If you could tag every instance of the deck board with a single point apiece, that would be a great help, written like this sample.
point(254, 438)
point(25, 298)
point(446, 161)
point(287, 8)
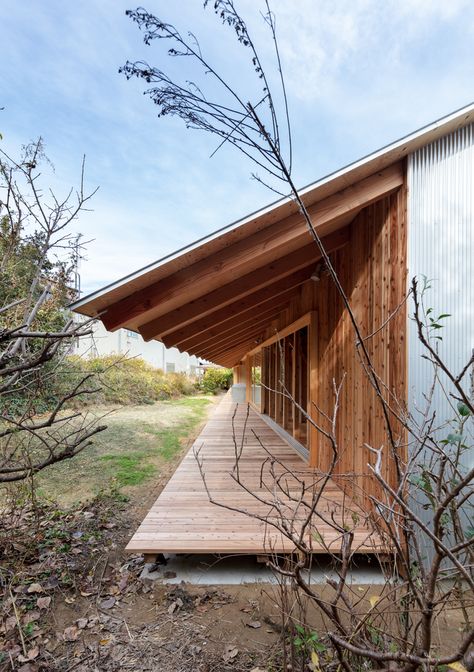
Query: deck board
point(183, 520)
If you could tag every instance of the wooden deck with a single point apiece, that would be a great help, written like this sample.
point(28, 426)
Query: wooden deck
point(183, 520)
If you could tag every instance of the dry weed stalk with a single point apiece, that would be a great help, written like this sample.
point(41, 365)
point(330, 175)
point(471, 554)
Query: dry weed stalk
point(425, 518)
point(36, 331)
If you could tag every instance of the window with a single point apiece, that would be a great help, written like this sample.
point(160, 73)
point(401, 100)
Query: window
point(279, 378)
point(286, 394)
point(255, 364)
point(131, 334)
point(170, 367)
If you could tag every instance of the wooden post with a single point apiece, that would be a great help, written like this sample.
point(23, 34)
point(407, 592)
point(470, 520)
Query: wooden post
point(313, 388)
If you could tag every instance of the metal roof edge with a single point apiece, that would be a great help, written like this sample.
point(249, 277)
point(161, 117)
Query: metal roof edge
point(439, 123)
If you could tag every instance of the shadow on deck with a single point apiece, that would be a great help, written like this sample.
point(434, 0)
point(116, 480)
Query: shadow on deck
point(183, 520)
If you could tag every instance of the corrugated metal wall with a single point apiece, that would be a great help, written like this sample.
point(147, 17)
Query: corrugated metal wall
point(441, 247)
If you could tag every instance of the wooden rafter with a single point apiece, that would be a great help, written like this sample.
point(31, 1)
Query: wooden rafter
point(227, 343)
point(253, 252)
point(222, 320)
point(186, 327)
point(235, 326)
point(244, 286)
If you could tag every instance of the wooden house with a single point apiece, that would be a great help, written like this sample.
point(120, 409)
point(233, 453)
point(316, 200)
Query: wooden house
point(255, 296)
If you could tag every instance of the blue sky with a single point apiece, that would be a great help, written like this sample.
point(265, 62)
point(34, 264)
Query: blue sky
point(360, 74)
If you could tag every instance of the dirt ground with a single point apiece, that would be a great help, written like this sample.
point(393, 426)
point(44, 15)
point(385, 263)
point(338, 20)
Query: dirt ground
point(73, 601)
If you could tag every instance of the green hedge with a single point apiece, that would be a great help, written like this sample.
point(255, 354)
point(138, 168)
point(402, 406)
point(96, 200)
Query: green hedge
point(115, 380)
point(129, 381)
point(215, 380)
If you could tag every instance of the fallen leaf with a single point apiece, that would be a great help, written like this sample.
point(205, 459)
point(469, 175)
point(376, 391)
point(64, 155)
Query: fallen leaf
point(35, 588)
point(172, 608)
point(14, 650)
point(254, 624)
point(43, 602)
point(458, 667)
point(123, 582)
point(70, 600)
point(71, 633)
point(31, 655)
point(373, 600)
point(29, 667)
point(108, 603)
point(84, 594)
point(230, 653)
point(31, 617)
point(10, 623)
point(52, 645)
point(104, 642)
point(82, 623)
point(315, 667)
point(51, 582)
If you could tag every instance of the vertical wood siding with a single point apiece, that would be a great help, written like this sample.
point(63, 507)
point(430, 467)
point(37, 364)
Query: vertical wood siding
point(372, 269)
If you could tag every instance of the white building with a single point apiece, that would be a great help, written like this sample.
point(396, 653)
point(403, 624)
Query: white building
point(125, 342)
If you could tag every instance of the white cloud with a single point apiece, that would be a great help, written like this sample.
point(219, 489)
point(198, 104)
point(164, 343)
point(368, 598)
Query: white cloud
point(322, 42)
point(360, 73)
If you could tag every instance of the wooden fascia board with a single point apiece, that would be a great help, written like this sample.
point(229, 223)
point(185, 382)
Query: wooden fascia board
point(254, 251)
point(241, 257)
point(264, 277)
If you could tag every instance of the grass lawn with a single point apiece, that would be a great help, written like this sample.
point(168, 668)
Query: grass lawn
point(139, 443)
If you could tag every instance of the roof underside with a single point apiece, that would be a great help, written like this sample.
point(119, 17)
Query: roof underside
point(215, 298)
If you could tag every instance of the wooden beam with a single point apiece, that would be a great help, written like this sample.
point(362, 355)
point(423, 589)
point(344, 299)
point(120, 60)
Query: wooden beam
point(264, 308)
point(186, 325)
point(218, 347)
point(227, 343)
point(264, 277)
point(265, 311)
point(253, 252)
point(231, 357)
point(247, 255)
point(243, 345)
